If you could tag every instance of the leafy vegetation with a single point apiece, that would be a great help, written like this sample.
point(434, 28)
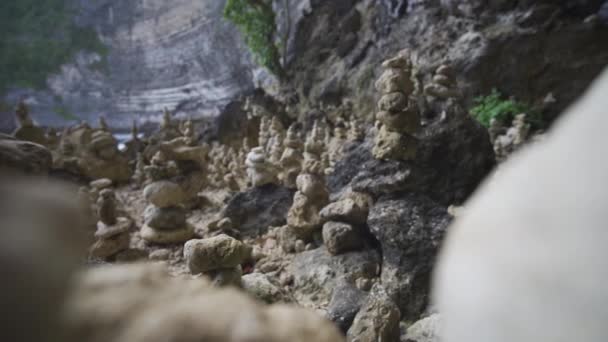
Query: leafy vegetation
point(495, 106)
point(256, 21)
point(36, 38)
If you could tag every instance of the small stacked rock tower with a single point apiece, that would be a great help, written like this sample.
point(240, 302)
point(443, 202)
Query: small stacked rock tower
point(165, 217)
point(292, 158)
point(398, 117)
point(112, 235)
point(259, 170)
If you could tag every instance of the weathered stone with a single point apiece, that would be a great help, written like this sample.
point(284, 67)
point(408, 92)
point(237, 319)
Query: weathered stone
point(215, 253)
point(341, 237)
point(101, 183)
point(394, 80)
point(317, 272)
point(164, 194)
point(260, 171)
point(425, 330)
point(164, 218)
point(407, 121)
point(258, 285)
point(393, 102)
point(346, 300)
point(24, 156)
point(109, 246)
point(226, 276)
point(378, 319)
point(394, 145)
point(303, 216)
point(176, 235)
point(105, 231)
point(255, 210)
point(106, 207)
point(409, 229)
point(184, 309)
point(352, 209)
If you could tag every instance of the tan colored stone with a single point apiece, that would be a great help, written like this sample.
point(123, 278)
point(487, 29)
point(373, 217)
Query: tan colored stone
point(164, 194)
point(393, 145)
point(177, 235)
point(394, 80)
point(393, 102)
point(215, 253)
point(407, 121)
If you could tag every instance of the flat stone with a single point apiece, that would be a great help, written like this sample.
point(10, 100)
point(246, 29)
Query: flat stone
point(167, 236)
point(101, 183)
point(222, 251)
point(105, 248)
point(105, 231)
point(164, 194)
point(164, 218)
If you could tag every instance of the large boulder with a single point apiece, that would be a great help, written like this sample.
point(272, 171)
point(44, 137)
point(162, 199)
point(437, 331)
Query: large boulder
point(453, 157)
point(409, 230)
point(142, 302)
point(24, 156)
point(255, 210)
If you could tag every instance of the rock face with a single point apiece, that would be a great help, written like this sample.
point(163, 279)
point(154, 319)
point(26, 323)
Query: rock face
point(331, 47)
point(114, 304)
point(500, 240)
point(254, 210)
point(453, 157)
point(409, 230)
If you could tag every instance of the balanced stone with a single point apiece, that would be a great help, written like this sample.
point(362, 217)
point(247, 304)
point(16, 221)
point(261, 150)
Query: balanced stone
point(164, 194)
point(215, 253)
point(341, 237)
point(164, 218)
point(176, 235)
point(393, 102)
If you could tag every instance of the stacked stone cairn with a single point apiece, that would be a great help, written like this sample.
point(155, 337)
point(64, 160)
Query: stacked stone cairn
point(112, 235)
point(443, 85)
point(303, 219)
point(218, 257)
point(514, 137)
point(165, 217)
point(345, 221)
point(356, 131)
point(27, 130)
point(398, 118)
point(259, 170)
point(292, 158)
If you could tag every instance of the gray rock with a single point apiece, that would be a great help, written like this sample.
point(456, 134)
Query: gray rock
point(164, 218)
point(340, 237)
point(424, 330)
point(258, 285)
point(164, 194)
point(226, 276)
point(176, 235)
point(378, 319)
point(409, 230)
point(215, 253)
point(24, 156)
point(317, 272)
point(346, 300)
point(255, 210)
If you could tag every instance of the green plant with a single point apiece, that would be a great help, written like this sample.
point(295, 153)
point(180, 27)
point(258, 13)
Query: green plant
point(495, 106)
point(36, 38)
point(256, 21)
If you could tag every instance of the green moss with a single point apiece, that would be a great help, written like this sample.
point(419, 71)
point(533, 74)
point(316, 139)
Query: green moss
point(36, 38)
point(256, 21)
point(495, 106)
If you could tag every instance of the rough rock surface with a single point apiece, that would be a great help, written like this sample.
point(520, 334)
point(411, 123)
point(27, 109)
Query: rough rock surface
point(215, 253)
point(164, 194)
point(378, 319)
point(24, 156)
point(453, 158)
point(141, 302)
point(409, 230)
point(346, 300)
point(317, 272)
point(340, 237)
point(424, 330)
point(253, 211)
point(258, 285)
point(164, 218)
